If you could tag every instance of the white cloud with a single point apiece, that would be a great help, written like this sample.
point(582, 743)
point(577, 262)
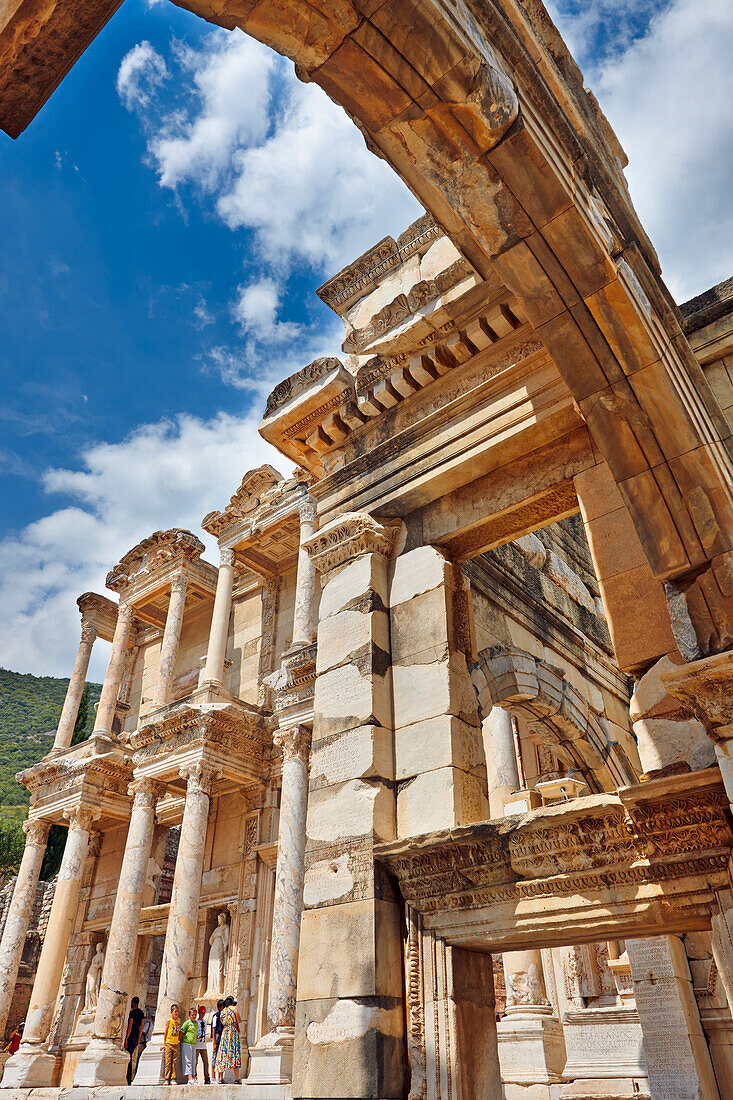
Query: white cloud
point(142, 72)
point(256, 310)
point(667, 94)
point(167, 474)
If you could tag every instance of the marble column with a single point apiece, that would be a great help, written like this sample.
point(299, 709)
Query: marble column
point(32, 1066)
point(501, 759)
point(20, 911)
point(305, 585)
point(115, 669)
point(104, 1062)
point(74, 691)
point(271, 1060)
point(531, 1044)
point(171, 638)
point(216, 652)
point(180, 936)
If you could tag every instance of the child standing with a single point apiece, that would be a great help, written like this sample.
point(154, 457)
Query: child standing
point(171, 1044)
point(189, 1032)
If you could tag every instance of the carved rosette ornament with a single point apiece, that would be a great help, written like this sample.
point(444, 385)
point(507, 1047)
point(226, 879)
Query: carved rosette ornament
point(351, 536)
point(36, 832)
point(200, 776)
point(294, 742)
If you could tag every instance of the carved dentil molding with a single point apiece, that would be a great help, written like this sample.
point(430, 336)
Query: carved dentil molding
point(36, 832)
point(200, 777)
point(351, 536)
point(294, 742)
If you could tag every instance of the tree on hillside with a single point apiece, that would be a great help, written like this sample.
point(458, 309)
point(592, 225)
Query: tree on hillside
point(57, 834)
point(12, 842)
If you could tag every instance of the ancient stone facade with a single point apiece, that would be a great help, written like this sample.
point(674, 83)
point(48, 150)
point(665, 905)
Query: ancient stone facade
point(446, 732)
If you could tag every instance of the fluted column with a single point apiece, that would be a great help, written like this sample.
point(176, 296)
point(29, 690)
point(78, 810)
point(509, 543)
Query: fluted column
point(171, 638)
point(74, 691)
point(305, 585)
point(115, 669)
point(216, 652)
point(104, 1062)
point(501, 759)
point(20, 911)
point(180, 936)
point(32, 1066)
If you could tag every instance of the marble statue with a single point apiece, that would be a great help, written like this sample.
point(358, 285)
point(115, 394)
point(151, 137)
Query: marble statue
point(219, 946)
point(94, 980)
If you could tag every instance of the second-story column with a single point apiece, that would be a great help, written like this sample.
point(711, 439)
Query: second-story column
point(171, 638)
point(502, 771)
point(32, 1065)
point(271, 1060)
point(305, 586)
point(104, 1062)
point(74, 691)
point(115, 669)
point(180, 935)
point(216, 652)
point(20, 911)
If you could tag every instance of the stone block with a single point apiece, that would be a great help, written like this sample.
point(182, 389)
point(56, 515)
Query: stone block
point(346, 696)
point(360, 577)
point(351, 950)
point(531, 1049)
point(441, 799)
point(360, 753)
point(421, 570)
point(423, 691)
point(348, 810)
point(349, 1048)
point(346, 633)
point(421, 628)
point(436, 743)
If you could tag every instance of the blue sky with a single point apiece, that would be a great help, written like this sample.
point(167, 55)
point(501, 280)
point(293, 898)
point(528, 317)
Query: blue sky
point(165, 221)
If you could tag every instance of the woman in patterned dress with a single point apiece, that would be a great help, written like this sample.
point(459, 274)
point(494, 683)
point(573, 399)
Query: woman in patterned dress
point(229, 1051)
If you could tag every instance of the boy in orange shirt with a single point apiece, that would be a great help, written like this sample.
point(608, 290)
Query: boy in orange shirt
point(172, 1044)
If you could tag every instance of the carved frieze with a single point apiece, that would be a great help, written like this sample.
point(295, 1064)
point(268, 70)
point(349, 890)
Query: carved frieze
point(154, 553)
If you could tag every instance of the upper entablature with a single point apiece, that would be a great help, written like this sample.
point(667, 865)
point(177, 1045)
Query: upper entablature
point(261, 522)
point(143, 576)
point(99, 612)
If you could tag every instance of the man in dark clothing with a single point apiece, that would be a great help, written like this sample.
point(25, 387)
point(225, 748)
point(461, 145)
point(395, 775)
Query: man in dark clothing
point(134, 1032)
point(216, 1029)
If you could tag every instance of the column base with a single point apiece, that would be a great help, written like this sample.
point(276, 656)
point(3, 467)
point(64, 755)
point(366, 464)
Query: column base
point(102, 1063)
point(30, 1067)
point(531, 1046)
point(271, 1060)
point(150, 1067)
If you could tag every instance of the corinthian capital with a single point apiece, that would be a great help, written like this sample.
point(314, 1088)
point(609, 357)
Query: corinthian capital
point(308, 511)
point(88, 633)
point(200, 776)
point(179, 583)
point(352, 535)
point(82, 817)
point(226, 556)
point(294, 742)
point(124, 613)
point(36, 832)
point(145, 791)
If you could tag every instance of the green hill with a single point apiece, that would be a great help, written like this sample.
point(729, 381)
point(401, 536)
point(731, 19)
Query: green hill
point(30, 707)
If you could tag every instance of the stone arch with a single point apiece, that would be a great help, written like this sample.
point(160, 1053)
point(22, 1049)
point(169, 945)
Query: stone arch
point(556, 712)
point(482, 112)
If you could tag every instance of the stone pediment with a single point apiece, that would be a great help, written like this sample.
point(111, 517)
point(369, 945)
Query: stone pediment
point(259, 486)
point(153, 554)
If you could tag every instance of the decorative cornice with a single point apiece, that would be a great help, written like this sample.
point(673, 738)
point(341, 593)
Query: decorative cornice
point(351, 536)
point(304, 378)
point(157, 550)
point(294, 742)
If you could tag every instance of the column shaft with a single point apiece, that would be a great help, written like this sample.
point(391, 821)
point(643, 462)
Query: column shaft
point(74, 691)
point(288, 904)
point(32, 1065)
point(171, 638)
point(180, 936)
point(115, 669)
point(305, 585)
point(104, 1062)
point(20, 911)
point(501, 759)
point(216, 652)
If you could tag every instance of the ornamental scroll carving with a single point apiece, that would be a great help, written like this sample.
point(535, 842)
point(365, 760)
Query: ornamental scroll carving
point(351, 536)
point(300, 381)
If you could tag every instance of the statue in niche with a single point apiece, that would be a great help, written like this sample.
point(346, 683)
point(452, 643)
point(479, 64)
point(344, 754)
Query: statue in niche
point(94, 981)
point(218, 948)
